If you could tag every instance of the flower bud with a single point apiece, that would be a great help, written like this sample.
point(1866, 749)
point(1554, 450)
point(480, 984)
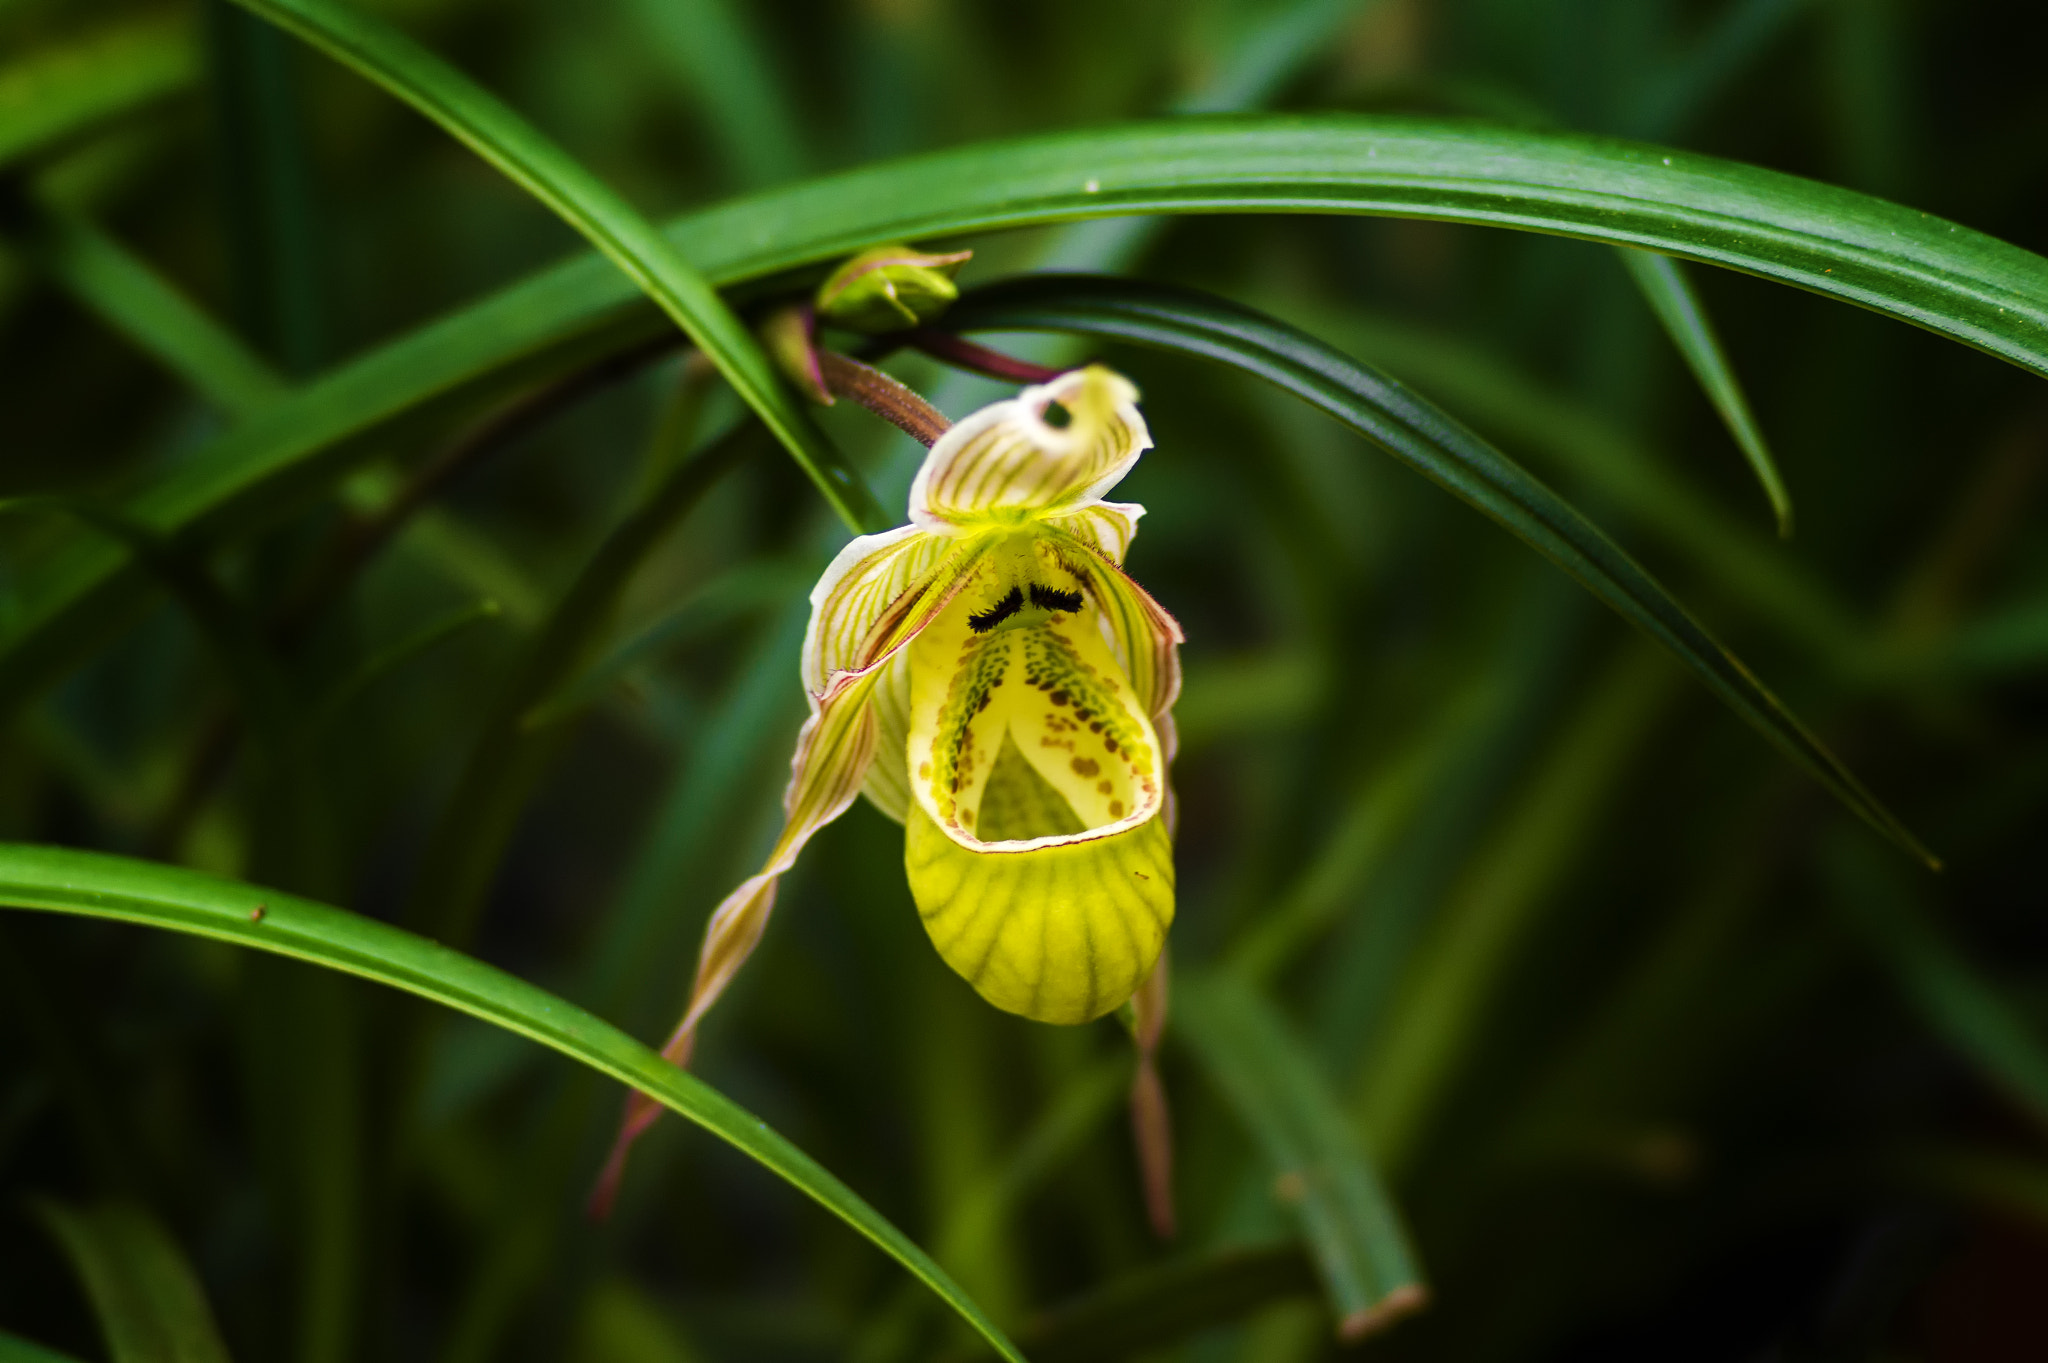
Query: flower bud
point(890, 288)
point(786, 336)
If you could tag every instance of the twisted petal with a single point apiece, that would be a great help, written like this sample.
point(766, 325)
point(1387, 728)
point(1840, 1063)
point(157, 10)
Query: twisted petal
point(832, 755)
point(1008, 458)
point(888, 783)
point(875, 599)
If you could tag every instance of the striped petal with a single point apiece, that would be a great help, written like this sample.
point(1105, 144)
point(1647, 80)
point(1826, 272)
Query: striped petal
point(1009, 457)
point(872, 580)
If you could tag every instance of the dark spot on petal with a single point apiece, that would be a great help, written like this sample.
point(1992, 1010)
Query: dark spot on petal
point(983, 621)
point(1052, 599)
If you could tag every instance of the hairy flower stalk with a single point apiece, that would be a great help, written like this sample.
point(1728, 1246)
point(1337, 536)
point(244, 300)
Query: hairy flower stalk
point(989, 677)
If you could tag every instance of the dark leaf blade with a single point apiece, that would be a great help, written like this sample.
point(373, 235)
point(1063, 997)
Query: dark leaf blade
point(151, 312)
point(1434, 444)
point(15, 1349)
point(63, 91)
point(1955, 1000)
point(1353, 1231)
point(150, 1305)
point(128, 890)
point(1157, 1306)
point(493, 131)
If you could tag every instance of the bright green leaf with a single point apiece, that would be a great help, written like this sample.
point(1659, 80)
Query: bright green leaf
point(128, 890)
point(493, 131)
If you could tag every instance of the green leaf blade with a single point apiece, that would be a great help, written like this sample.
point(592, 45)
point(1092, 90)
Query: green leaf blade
point(149, 1302)
point(151, 312)
point(493, 131)
point(66, 90)
point(91, 884)
point(1353, 1231)
point(15, 1349)
point(1952, 997)
point(1850, 246)
point(1671, 297)
point(1434, 444)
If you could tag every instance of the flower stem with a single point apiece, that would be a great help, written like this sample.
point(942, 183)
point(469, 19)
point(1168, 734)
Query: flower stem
point(846, 377)
point(965, 354)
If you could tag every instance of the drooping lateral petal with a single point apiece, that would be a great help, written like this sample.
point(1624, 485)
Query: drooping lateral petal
point(869, 580)
point(888, 783)
point(831, 761)
point(1151, 1120)
point(1009, 457)
point(833, 754)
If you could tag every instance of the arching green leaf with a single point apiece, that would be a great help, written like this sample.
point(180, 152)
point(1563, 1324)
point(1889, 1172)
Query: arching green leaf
point(1435, 445)
point(128, 890)
point(1850, 246)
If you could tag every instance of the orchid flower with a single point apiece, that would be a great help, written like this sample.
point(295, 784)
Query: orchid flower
point(989, 677)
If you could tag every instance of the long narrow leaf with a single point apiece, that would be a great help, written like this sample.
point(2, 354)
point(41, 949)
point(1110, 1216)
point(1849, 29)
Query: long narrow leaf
point(1492, 912)
point(61, 91)
point(15, 1349)
point(150, 1305)
point(1435, 445)
point(493, 131)
point(508, 757)
point(98, 886)
point(1950, 994)
point(711, 46)
point(1671, 297)
point(151, 312)
point(1502, 400)
point(1354, 1232)
point(1895, 260)
point(1157, 1306)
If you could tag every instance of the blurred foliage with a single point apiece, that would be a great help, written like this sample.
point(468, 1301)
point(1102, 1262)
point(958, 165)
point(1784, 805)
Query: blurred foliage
point(1658, 1053)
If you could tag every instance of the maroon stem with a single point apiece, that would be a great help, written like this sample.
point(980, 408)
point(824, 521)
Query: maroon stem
point(846, 377)
point(965, 354)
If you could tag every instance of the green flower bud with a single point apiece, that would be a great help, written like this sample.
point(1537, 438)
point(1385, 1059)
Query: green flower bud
point(890, 288)
point(786, 336)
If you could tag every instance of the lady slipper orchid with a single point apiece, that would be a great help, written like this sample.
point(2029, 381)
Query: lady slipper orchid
point(989, 677)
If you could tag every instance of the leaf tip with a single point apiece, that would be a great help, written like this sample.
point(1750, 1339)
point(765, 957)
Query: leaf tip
point(1403, 1301)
